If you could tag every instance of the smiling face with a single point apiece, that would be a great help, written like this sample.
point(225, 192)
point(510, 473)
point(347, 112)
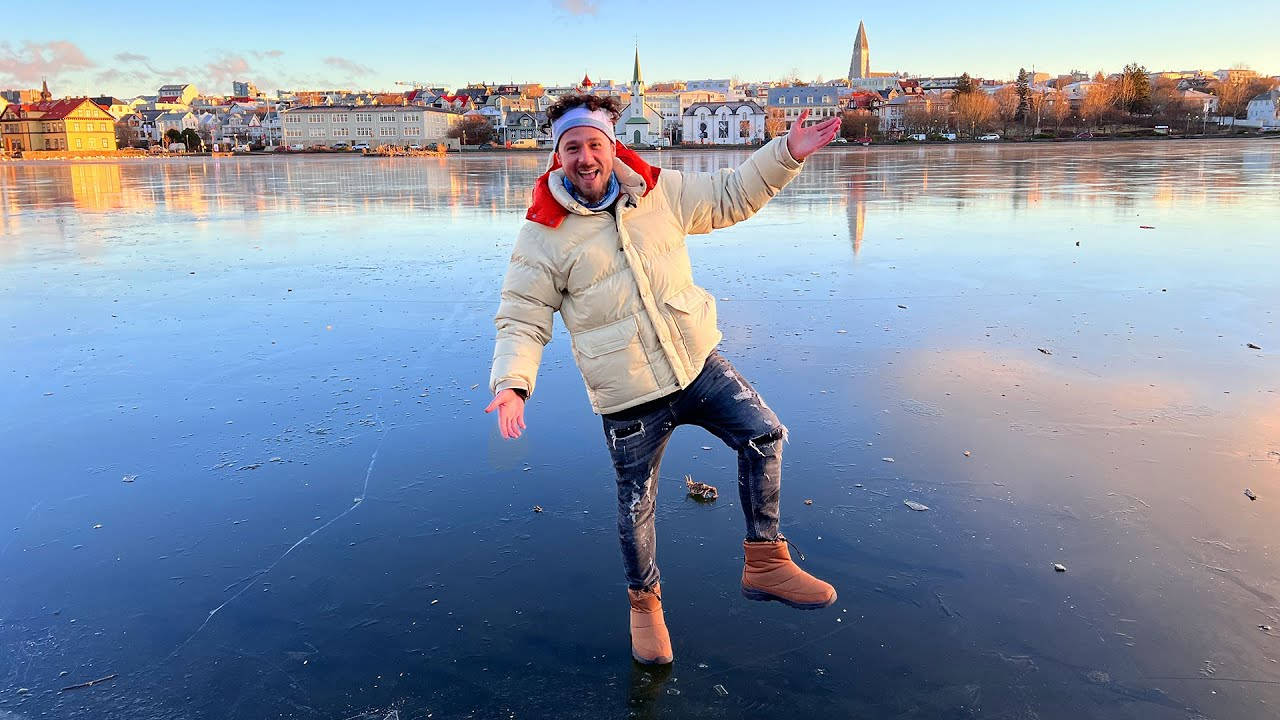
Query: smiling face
point(587, 156)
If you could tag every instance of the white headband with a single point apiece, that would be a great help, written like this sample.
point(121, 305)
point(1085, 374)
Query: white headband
point(581, 117)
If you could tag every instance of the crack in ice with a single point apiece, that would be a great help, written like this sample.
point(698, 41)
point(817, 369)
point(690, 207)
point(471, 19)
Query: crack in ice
point(254, 578)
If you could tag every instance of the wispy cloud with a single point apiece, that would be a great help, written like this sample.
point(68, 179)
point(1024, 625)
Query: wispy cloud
point(30, 62)
point(225, 69)
point(128, 57)
point(267, 54)
point(348, 66)
point(578, 7)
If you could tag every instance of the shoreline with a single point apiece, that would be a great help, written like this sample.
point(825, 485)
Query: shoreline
point(845, 147)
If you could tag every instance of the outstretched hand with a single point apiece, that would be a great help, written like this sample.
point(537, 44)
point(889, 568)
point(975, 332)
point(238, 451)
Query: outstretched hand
point(804, 141)
point(510, 407)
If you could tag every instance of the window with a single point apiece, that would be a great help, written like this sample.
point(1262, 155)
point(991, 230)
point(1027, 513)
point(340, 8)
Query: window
point(826, 99)
point(808, 100)
point(341, 132)
point(293, 133)
point(315, 118)
point(387, 131)
point(385, 117)
point(364, 117)
point(316, 132)
point(364, 132)
point(411, 131)
point(77, 126)
point(338, 118)
point(407, 118)
point(79, 144)
point(292, 118)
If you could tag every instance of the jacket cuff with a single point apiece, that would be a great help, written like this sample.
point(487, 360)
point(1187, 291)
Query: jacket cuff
point(784, 155)
point(513, 384)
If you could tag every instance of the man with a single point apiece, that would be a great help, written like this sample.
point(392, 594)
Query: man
point(605, 245)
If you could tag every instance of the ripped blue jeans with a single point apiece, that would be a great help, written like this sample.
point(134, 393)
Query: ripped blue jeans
point(724, 403)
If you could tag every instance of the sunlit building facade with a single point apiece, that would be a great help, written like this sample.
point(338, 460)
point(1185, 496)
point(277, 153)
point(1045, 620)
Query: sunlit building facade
point(76, 124)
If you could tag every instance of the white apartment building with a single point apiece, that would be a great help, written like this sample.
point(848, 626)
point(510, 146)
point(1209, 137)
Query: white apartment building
point(328, 125)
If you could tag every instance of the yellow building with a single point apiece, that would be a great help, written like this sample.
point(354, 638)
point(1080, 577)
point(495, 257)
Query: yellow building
point(69, 124)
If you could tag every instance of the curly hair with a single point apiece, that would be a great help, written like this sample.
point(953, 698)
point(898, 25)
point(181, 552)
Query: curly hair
point(591, 102)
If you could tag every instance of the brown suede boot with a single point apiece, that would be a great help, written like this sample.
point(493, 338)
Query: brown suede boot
point(650, 643)
point(769, 574)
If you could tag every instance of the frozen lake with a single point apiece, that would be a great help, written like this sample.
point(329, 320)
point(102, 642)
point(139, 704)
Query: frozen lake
point(247, 474)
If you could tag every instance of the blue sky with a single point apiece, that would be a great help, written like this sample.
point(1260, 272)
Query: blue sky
point(318, 43)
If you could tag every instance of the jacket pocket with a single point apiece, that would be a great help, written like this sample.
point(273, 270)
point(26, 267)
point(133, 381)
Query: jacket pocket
point(613, 362)
point(693, 313)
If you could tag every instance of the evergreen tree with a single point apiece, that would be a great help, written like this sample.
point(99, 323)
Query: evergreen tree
point(1137, 89)
point(192, 140)
point(965, 86)
point(1024, 94)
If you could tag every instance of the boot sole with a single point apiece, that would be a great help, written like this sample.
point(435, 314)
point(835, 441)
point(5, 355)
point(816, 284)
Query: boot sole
point(762, 596)
point(653, 661)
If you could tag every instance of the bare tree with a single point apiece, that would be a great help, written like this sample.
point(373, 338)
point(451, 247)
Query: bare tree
point(1059, 109)
point(1096, 104)
point(1007, 102)
point(974, 111)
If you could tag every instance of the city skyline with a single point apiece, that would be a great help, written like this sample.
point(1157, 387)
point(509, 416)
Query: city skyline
point(559, 40)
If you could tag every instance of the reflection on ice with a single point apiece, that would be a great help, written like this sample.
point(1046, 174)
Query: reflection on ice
point(288, 357)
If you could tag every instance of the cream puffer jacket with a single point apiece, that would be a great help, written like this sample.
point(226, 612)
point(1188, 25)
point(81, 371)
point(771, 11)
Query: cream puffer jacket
point(640, 327)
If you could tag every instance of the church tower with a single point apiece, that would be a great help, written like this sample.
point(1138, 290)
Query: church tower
point(637, 88)
point(637, 129)
point(860, 63)
point(45, 95)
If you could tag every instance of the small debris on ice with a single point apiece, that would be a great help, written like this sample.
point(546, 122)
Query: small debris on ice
point(904, 307)
point(128, 478)
point(1249, 494)
point(1264, 628)
point(1252, 346)
point(537, 508)
point(1146, 227)
point(720, 690)
point(1046, 352)
point(808, 502)
point(1059, 567)
point(706, 447)
point(918, 507)
point(97, 526)
point(887, 459)
point(966, 453)
point(701, 492)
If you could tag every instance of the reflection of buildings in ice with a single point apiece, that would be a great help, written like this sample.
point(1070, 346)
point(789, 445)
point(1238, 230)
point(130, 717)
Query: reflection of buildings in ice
point(856, 209)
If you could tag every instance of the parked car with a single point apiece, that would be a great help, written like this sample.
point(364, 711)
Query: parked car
point(989, 137)
point(1269, 128)
point(296, 147)
point(918, 137)
point(240, 148)
point(1084, 136)
point(863, 140)
point(950, 137)
point(360, 146)
point(342, 145)
point(281, 149)
point(839, 141)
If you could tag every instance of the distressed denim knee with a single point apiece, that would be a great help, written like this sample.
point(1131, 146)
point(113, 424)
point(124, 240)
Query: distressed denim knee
point(636, 445)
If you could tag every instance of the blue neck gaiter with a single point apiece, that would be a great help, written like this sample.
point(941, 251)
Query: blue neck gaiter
point(610, 193)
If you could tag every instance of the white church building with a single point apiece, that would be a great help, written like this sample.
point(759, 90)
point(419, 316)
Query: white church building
point(723, 123)
point(640, 123)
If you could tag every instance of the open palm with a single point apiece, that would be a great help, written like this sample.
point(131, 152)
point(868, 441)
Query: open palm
point(803, 141)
